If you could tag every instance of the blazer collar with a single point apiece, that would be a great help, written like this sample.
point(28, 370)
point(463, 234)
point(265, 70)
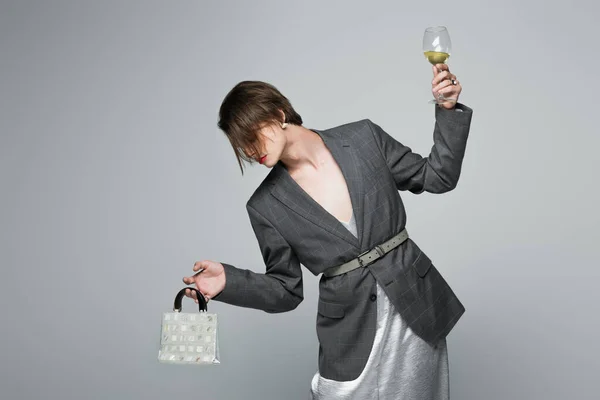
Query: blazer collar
point(291, 194)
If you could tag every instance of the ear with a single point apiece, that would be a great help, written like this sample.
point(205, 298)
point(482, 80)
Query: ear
point(282, 116)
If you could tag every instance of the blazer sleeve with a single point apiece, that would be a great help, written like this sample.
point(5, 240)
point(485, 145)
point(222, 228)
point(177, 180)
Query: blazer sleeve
point(279, 289)
point(438, 172)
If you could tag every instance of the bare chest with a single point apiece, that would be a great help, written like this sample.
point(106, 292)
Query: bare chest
point(327, 187)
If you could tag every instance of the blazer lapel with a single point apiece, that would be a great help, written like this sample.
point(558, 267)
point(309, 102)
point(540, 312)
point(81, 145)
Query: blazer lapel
point(287, 190)
point(346, 157)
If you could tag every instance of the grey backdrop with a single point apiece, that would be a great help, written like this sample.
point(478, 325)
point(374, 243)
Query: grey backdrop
point(115, 180)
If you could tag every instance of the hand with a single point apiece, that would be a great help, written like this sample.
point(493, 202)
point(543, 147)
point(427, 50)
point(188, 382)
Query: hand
point(442, 83)
point(209, 279)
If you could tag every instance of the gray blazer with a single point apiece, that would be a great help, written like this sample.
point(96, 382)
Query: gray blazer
point(293, 229)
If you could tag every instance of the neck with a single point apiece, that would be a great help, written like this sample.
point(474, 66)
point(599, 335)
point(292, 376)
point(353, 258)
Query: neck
point(304, 149)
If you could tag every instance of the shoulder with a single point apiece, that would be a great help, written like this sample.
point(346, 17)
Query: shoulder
point(261, 201)
point(358, 130)
point(349, 128)
point(259, 197)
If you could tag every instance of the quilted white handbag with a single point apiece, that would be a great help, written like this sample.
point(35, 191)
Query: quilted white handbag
point(189, 338)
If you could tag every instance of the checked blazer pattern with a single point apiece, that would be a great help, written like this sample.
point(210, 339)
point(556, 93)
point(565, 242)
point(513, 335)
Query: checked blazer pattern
point(292, 229)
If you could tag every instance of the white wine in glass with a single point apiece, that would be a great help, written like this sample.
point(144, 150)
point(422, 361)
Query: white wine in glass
point(437, 48)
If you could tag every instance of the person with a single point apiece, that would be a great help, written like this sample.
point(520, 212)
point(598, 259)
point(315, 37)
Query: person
point(331, 202)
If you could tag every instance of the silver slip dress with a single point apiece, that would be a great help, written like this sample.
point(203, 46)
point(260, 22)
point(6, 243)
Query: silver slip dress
point(401, 365)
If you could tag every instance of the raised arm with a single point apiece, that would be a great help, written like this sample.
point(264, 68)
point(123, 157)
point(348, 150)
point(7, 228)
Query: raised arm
point(438, 172)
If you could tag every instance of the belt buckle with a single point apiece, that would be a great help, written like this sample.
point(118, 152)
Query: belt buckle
point(360, 261)
point(377, 248)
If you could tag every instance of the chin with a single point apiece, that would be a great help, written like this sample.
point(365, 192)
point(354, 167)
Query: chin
point(269, 163)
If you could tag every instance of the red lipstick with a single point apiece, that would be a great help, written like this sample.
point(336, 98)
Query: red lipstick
point(262, 159)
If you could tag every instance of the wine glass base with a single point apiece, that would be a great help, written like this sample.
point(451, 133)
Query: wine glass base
point(440, 101)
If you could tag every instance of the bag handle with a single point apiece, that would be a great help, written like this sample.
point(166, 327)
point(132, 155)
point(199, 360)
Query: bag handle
point(202, 306)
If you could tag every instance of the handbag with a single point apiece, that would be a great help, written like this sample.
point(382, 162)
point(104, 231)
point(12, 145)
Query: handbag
point(189, 338)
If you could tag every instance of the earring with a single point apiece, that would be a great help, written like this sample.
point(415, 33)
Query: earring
point(284, 125)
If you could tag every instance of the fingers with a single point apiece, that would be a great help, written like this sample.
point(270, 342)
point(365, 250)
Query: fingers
point(200, 265)
point(209, 279)
point(449, 95)
point(451, 89)
point(442, 79)
point(445, 75)
point(188, 280)
point(437, 68)
point(191, 294)
point(443, 84)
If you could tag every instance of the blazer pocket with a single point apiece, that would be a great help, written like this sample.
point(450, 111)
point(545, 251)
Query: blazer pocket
point(422, 264)
point(330, 310)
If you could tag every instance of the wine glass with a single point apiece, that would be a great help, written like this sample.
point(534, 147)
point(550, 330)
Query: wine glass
point(437, 48)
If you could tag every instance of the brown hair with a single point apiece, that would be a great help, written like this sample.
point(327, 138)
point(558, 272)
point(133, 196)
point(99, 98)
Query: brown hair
point(246, 109)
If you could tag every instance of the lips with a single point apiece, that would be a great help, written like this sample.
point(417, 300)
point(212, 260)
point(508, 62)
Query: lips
point(262, 159)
